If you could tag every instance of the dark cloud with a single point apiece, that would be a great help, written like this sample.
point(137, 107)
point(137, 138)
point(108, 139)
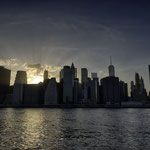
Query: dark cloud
point(34, 66)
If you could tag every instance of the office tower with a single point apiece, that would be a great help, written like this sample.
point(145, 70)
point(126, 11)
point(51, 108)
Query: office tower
point(68, 83)
point(138, 91)
point(76, 91)
point(111, 69)
point(111, 91)
point(74, 71)
point(67, 76)
point(137, 80)
point(85, 94)
point(84, 76)
point(60, 87)
point(142, 86)
point(21, 77)
point(94, 90)
point(4, 83)
point(93, 75)
point(32, 94)
point(61, 75)
point(84, 86)
point(126, 92)
point(123, 91)
point(51, 93)
point(45, 75)
point(20, 80)
point(4, 76)
point(17, 94)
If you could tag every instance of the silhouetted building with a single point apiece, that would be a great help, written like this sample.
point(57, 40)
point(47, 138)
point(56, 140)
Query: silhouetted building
point(67, 78)
point(126, 92)
point(93, 75)
point(94, 90)
point(85, 85)
point(74, 71)
point(76, 91)
point(111, 69)
point(80, 99)
point(138, 91)
point(51, 93)
point(45, 75)
point(21, 77)
point(20, 80)
point(18, 94)
point(137, 80)
point(123, 91)
point(111, 90)
point(101, 100)
point(84, 76)
point(4, 83)
point(32, 94)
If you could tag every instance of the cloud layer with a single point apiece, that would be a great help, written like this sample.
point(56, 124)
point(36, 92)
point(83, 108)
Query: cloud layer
point(34, 71)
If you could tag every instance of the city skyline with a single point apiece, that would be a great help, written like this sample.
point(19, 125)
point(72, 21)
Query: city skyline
point(69, 91)
point(35, 73)
point(79, 75)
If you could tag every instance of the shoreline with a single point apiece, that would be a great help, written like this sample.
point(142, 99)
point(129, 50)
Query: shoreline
point(70, 106)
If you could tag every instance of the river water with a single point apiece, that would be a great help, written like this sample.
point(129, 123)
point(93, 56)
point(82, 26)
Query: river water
point(74, 129)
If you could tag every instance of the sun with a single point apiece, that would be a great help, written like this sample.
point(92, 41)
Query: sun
point(36, 79)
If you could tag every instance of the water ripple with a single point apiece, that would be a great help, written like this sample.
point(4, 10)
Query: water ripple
point(74, 129)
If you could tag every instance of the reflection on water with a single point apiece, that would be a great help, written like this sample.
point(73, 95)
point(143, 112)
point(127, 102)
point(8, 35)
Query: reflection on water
point(74, 129)
point(32, 126)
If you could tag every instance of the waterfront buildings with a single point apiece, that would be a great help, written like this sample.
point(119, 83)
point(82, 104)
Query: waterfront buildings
point(111, 69)
point(109, 90)
point(21, 77)
point(138, 91)
point(67, 76)
point(84, 76)
point(51, 93)
point(45, 77)
point(4, 83)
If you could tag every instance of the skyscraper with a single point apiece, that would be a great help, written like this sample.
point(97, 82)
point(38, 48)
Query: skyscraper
point(111, 69)
point(68, 82)
point(4, 82)
point(123, 91)
point(94, 90)
point(84, 85)
point(84, 76)
point(111, 90)
point(18, 94)
point(4, 76)
point(21, 77)
point(76, 90)
point(138, 91)
point(45, 75)
point(74, 71)
point(94, 75)
point(51, 93)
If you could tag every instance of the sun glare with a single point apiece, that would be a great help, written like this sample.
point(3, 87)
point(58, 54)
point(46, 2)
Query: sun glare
point(36, 79)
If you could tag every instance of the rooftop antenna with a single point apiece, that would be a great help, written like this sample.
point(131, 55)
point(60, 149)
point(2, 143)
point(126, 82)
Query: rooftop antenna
point(110, 60)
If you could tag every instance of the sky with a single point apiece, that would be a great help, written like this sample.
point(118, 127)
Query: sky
point(47, 34)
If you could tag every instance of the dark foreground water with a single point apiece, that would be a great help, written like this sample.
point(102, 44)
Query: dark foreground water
point(75, 129)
